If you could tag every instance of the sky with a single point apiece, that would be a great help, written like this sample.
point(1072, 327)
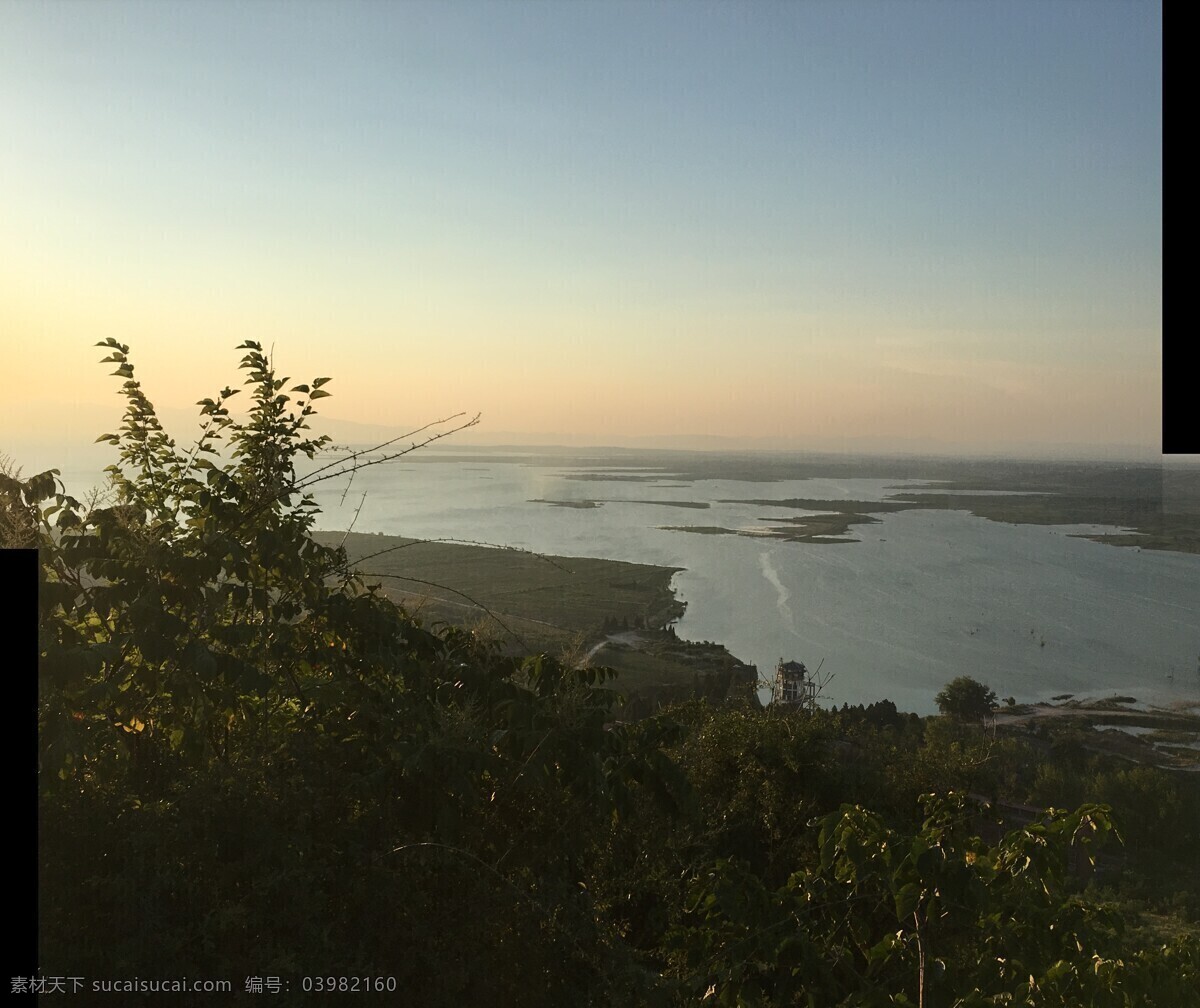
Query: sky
point(852, 225)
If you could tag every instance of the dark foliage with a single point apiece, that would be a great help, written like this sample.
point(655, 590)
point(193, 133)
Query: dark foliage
point(253, 763)
point(966, 699)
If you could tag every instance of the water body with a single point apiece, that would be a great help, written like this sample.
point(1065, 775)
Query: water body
point(924, 596)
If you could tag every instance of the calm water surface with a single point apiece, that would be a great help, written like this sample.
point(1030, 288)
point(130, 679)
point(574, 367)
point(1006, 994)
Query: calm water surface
point(923, 597)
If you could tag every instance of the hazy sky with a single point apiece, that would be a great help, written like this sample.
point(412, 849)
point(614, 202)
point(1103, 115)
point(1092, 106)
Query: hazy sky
point(832, 223)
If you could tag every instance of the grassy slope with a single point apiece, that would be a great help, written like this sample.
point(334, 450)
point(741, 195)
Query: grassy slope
point(549, 602)
point(559, 605)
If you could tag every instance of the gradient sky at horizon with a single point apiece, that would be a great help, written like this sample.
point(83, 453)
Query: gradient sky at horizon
point(851, 223)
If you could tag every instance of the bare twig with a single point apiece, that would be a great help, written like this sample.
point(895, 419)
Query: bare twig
point(353, 463)
point(820, 684)
point(355, 518)
point(349, 484)
point(314, 477)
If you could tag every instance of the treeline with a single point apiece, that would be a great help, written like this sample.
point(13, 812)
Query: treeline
point(252, 764)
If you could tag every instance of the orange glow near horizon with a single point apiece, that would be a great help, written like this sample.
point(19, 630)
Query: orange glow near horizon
point(755, 235)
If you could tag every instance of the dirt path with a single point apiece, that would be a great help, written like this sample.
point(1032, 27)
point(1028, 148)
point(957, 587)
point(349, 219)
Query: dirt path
point(630, 637)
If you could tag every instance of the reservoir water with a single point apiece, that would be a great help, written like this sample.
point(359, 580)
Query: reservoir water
point(923, 596)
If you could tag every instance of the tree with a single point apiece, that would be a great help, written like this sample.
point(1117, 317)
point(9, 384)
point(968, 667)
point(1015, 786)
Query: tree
point(932, 916)
point(18, 514)
point(243, 746)
point(966, 699)
point(180, 620)
point(247, 750)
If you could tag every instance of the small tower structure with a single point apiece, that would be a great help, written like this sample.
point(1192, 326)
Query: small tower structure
point(793, 687)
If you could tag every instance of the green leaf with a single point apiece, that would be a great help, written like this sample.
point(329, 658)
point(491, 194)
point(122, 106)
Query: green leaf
point(907, 900)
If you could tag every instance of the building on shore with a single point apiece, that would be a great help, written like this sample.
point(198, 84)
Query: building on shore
point(793, 685)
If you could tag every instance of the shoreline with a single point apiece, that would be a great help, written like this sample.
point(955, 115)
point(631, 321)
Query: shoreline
point(1122, 726)
point(611, 613)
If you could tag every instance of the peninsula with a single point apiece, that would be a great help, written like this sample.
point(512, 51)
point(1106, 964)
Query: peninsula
point(602, 612)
